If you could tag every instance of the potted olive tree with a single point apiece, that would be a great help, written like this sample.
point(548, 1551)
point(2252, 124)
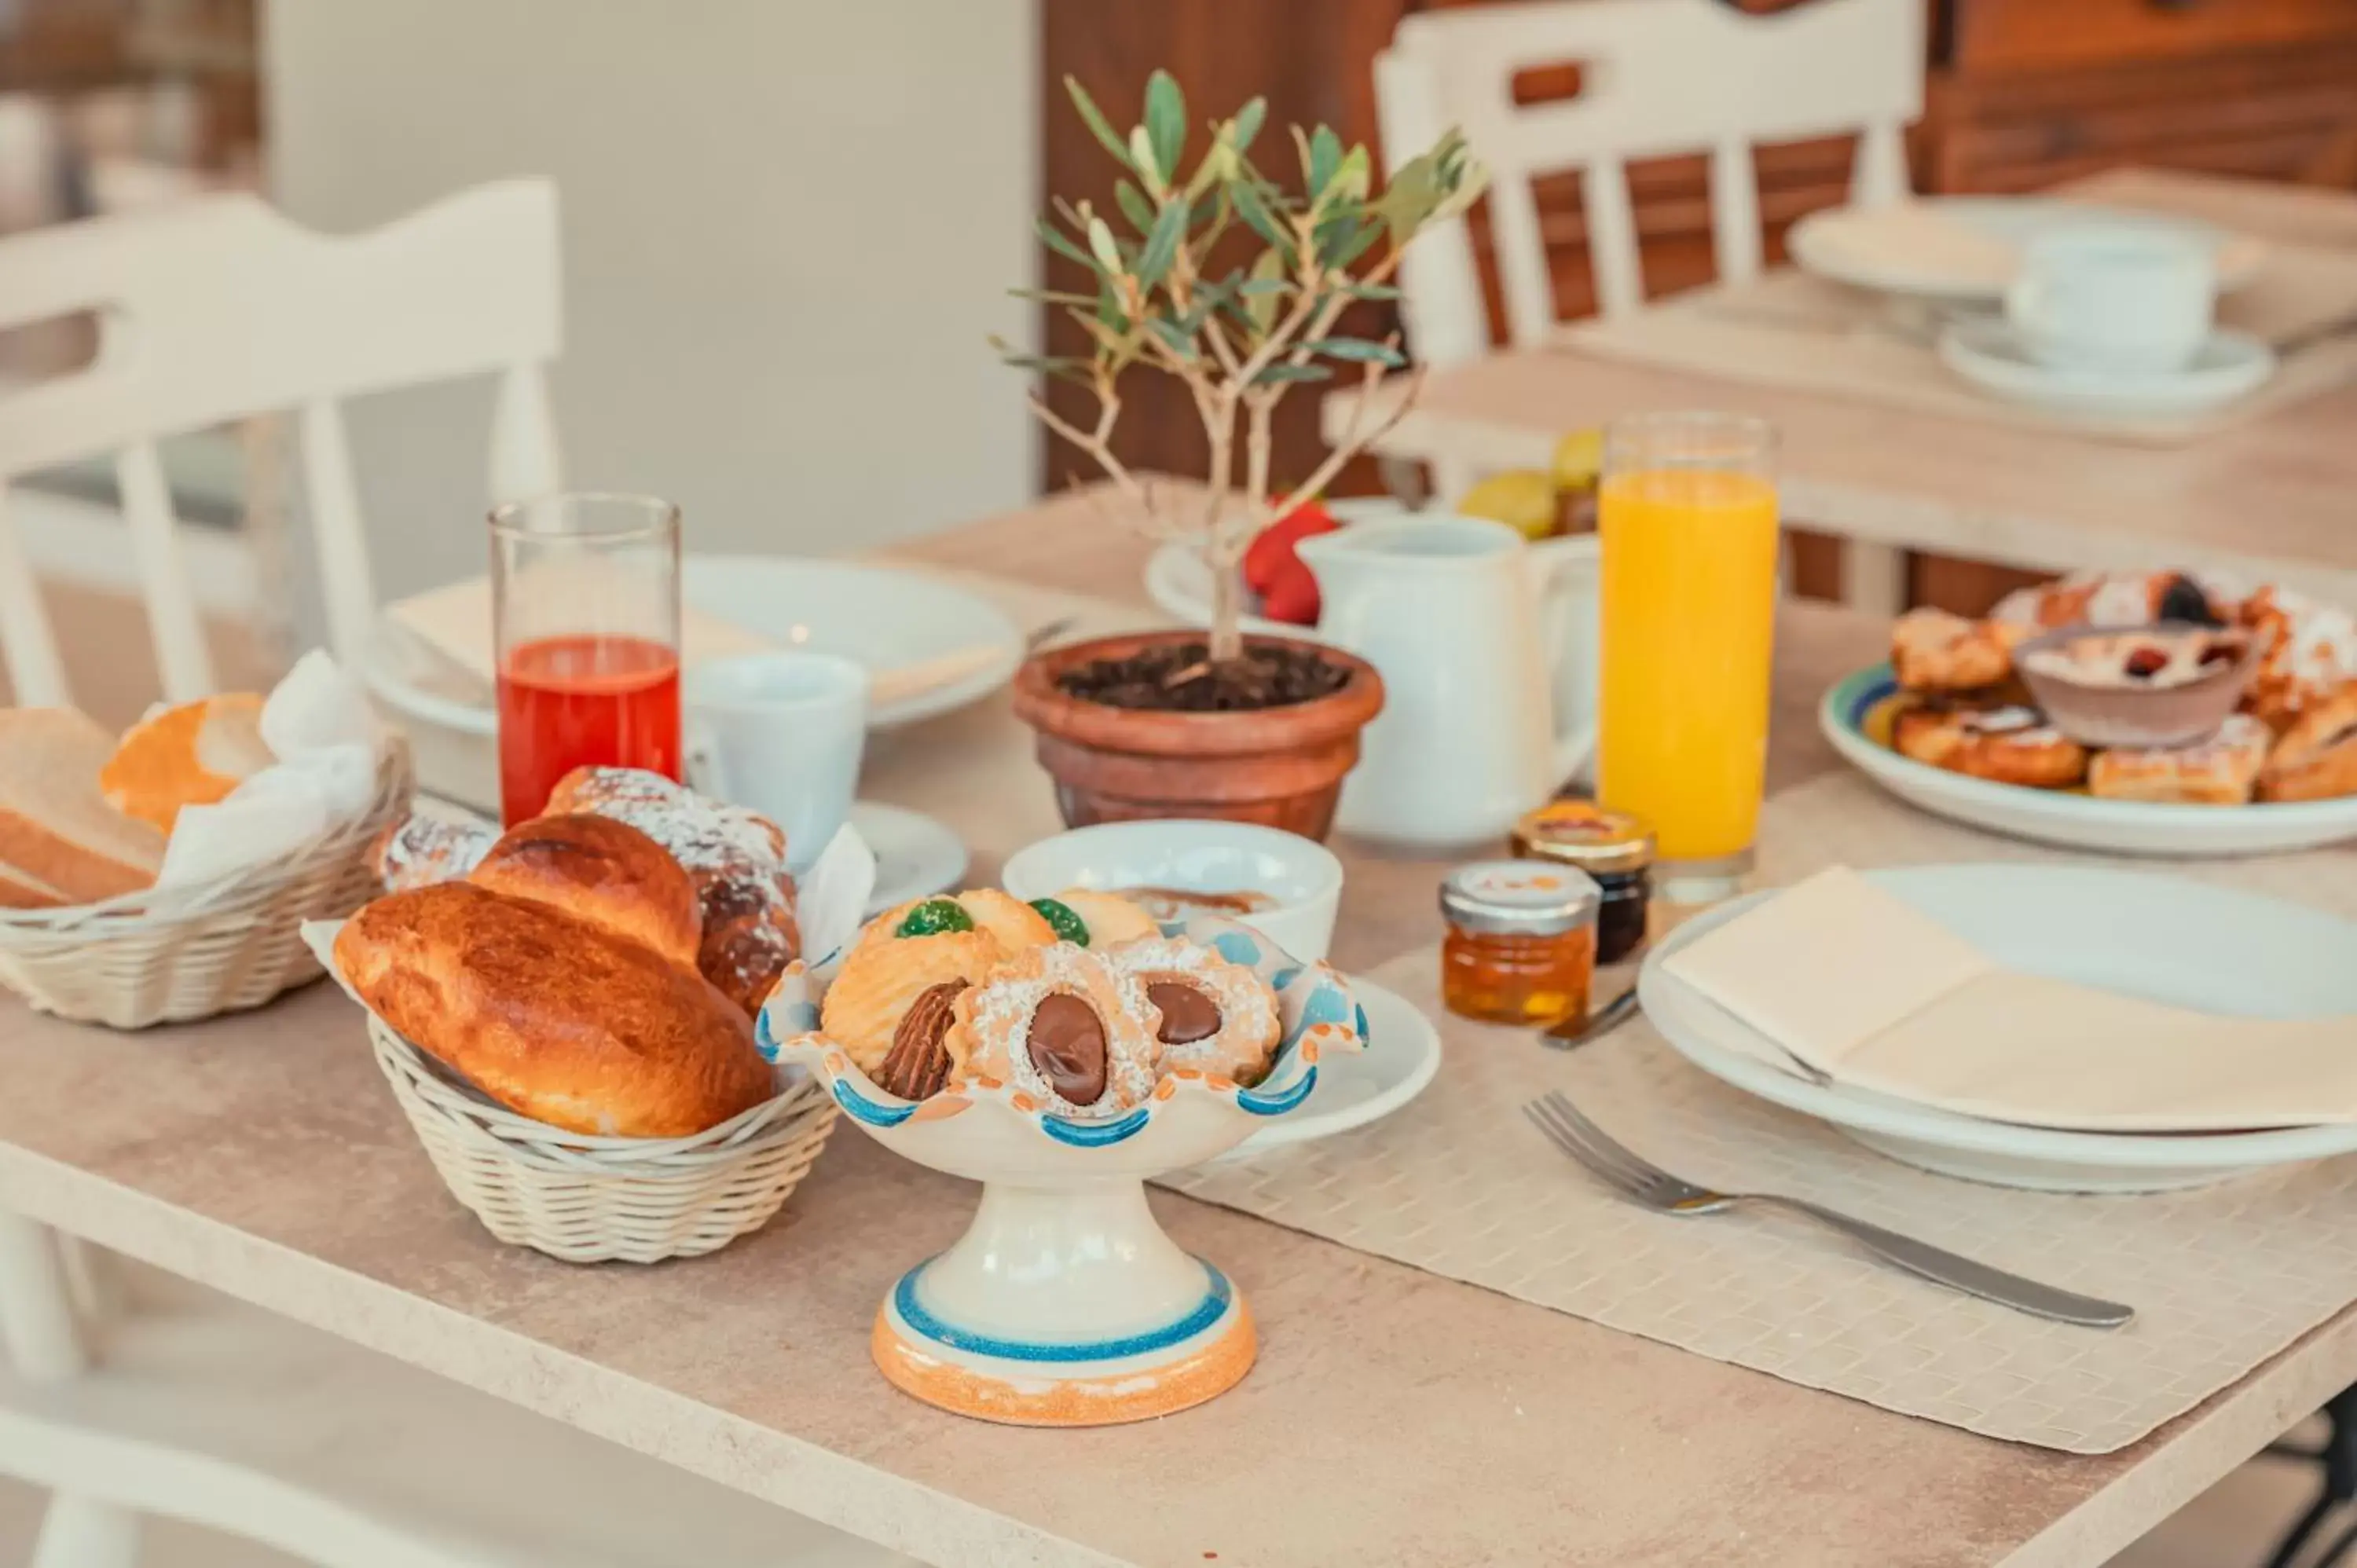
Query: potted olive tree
point(1229, 281)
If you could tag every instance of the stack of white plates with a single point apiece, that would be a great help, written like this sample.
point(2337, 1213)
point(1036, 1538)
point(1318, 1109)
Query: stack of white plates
point(2165, 938)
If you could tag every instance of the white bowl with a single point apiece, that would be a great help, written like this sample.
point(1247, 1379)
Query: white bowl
point(1199, 855)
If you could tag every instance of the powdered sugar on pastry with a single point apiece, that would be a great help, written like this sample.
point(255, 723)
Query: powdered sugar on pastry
point(425, 850)
point(1227, 1025)
point(1024, 1025)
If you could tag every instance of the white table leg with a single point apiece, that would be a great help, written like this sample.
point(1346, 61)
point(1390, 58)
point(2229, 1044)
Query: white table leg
point(1874, 578)
point(80, 1533)
point(37, 1320)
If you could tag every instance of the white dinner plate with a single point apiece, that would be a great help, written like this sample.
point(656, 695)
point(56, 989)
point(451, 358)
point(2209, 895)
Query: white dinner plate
point(1848, 717)
point(1989, 353)
point(1402, 1053)
point(1902, 249)
point(916, 855)
point(2167, 939)
point(886, 619)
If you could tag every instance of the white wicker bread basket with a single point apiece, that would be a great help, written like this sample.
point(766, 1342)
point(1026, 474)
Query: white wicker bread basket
point(593, 1201)
point(185, 953)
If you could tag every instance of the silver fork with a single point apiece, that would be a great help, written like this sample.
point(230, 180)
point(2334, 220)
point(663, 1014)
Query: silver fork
point(1637, 1178)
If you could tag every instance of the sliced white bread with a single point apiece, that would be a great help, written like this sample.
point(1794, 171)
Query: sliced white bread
point(192, 755)
point(57, 829)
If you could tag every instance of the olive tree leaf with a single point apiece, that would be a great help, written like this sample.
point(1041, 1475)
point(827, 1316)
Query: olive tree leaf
point(1142, 159)
point(1179, 341)
point(1101, 242)
point(1247, 121)
point(1325, 160)
point(1348, 240)
point(1099, 127)
point(1054, 239)
point(1162, 241)
point(1286, 373)
point(1358, 350)
point(1254, 210)
point(1134, 205)
point(1263, 291)
point(1166, 122)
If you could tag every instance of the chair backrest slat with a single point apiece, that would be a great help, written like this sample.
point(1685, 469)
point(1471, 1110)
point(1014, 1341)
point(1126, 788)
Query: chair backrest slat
point(220, 309)
point(1657, 79)
point(178, 633)
point(525, 458)
point(35, 670)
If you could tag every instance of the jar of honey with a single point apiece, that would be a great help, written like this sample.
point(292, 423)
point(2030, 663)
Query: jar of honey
point(1521, 941)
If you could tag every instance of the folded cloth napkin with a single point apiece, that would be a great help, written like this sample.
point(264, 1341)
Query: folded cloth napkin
point(1861, 986)
point(327, 742)
point(454, 622)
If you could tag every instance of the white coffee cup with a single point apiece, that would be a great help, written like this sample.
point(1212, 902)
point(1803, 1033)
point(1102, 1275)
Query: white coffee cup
point(2114, 297)
point(780, 733)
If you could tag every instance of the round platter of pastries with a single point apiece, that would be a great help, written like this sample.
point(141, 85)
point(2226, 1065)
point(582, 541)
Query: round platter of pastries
point(2159, 713)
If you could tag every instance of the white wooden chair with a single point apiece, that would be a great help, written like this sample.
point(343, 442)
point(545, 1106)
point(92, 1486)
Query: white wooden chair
point(211, 312)
point(1659, 77)
point(218, 310)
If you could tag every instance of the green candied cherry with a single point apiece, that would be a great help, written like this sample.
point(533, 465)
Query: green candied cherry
point(1069, 926)
point(933, 917)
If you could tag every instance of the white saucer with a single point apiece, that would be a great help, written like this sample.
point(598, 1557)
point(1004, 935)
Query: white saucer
point(915, 855)
point(1402, 1053)
point(1987, 352)
point(1967, 247)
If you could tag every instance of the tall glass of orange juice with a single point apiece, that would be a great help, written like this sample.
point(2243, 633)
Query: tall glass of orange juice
point(1687, 512)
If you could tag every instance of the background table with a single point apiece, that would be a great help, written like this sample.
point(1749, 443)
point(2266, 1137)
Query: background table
point(1394, 1419)
point(2271, 498)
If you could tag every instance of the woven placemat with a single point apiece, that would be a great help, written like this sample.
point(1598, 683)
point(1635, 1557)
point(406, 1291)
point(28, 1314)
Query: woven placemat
point(1458, 1184)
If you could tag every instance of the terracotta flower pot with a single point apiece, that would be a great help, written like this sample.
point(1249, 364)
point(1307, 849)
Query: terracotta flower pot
point(1281, 767)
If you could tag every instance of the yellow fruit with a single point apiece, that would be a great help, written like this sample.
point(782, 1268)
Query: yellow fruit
point(1579, 460)
point(1521, 499)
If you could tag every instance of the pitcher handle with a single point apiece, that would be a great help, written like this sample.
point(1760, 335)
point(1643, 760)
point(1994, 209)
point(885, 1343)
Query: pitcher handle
point(1557, 585)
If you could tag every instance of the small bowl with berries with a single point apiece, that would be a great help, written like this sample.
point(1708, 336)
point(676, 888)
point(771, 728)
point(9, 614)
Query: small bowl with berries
point(2165, 684)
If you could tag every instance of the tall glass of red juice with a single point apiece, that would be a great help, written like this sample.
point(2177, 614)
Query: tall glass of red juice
point(585, 596)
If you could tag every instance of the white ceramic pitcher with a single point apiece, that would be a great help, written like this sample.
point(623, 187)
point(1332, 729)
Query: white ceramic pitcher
point(1474, 731)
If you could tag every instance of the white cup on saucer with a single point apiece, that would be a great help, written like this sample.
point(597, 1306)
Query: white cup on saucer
point(780, 733)
point(2114, 297)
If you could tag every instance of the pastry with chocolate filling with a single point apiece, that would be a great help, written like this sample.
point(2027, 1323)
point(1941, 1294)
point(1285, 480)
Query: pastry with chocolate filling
point(887, 1007)
point(1217, 1017)
point(2317, 757)
point(1065, 1027)
point(1095, 918)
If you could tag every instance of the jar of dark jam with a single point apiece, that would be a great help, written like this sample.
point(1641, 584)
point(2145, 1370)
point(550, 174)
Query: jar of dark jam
point(1613, 847)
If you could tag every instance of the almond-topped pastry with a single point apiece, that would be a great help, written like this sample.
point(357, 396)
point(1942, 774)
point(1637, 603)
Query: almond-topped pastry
point(1065, 1027)
point(2006, 746)
point(1932, 650)
point(421, 850)
point(2217, 772)
point(2317, 758)
point(1217, 1017)
point(905, 962)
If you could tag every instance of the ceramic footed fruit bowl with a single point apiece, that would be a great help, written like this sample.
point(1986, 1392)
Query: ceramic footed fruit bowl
point(1061, 1053)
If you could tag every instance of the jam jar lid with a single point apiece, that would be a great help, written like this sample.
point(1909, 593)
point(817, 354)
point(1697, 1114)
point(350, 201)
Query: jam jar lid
point(1583, 833)
point(1519, 897)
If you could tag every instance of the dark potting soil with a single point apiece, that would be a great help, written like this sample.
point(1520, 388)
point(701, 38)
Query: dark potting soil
point(1179, 677)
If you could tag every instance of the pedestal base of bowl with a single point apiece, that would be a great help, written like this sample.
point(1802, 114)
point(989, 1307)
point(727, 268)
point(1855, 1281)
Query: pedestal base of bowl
point(1064, 1307)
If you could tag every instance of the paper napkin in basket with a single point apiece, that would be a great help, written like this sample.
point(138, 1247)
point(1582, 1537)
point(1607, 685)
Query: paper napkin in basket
point(1864, 988)
point(326, 743)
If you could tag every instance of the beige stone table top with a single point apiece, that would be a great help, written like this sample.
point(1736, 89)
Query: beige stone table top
point(2269, 497)
point(1395, 1420)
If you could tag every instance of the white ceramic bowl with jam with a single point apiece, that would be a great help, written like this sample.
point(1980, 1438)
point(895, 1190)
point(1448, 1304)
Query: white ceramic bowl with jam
point(1280, 884)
